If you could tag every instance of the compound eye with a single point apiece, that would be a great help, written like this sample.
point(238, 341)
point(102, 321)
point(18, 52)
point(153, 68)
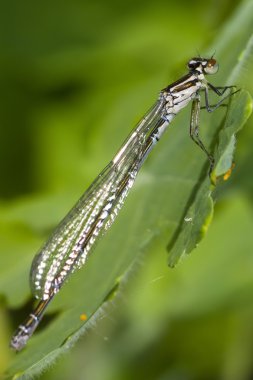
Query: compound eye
point(211, 67)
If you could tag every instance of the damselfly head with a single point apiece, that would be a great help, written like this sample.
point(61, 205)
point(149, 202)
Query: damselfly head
point(208, 66)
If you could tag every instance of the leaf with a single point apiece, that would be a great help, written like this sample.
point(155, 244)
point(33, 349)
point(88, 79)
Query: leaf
point(199, 214)
point(173, 187)
point(197, 218)
point(237, 115)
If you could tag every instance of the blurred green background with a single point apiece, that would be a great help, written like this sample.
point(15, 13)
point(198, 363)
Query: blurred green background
point(75, 77)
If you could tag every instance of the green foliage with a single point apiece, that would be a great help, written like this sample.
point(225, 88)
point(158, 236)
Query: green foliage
point(72, 86)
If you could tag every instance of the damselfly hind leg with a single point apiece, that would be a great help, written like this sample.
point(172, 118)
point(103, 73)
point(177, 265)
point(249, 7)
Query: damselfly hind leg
point(194, 130)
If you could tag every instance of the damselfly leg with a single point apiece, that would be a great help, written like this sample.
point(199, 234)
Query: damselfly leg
point(211, 108)
point(195, 113)
point(194, 130)
point(220, 90)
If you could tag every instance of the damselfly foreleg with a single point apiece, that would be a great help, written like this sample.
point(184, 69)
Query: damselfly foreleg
point(211, 108)
point(220, 90)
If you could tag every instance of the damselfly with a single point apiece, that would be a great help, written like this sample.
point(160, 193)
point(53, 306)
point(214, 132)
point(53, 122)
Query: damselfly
point(68, 247)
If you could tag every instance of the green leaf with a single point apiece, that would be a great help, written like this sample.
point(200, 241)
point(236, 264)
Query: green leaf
point(200, 210)
point(238, 113)
point(199, 213)
point(172, 194)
